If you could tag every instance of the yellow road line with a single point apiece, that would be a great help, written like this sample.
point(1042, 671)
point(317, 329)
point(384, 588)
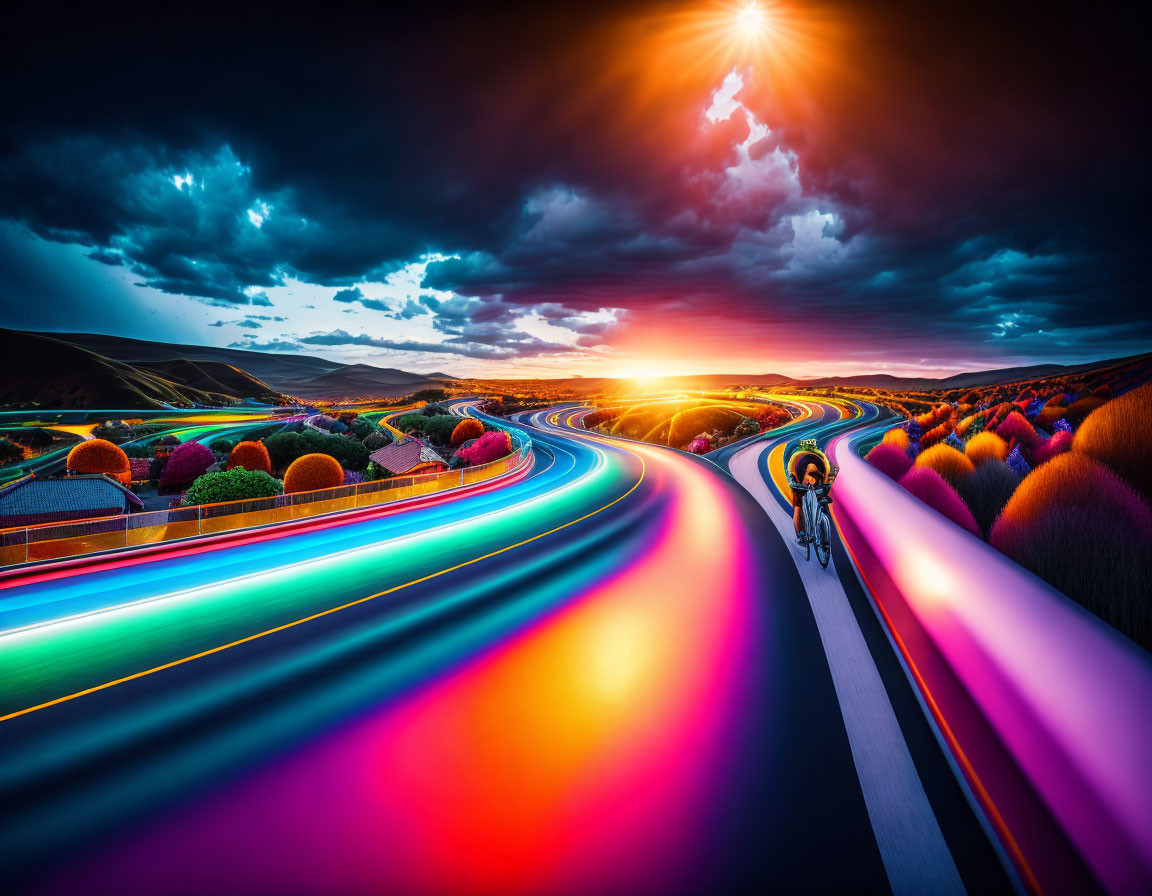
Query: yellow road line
point(322, 613)
point(776, 470)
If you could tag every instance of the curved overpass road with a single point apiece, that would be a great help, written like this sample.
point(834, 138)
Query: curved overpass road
point(604, 677)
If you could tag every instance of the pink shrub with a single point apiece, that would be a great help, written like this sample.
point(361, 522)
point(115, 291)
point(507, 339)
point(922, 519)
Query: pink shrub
point(1016, 426)
point(186, 463)
point(1059, 443)
point(890, 460)
point(489, 447)
point(699, 445)
point(927, 485)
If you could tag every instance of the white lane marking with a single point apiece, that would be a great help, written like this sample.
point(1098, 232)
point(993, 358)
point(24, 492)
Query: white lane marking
point(916, 858)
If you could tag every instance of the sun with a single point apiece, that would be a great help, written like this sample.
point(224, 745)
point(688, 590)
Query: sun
point(750, 21)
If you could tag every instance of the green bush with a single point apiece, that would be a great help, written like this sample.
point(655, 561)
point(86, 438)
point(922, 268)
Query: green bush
point(375, 471)
point(285, 447)
point(224, 446)
point(236, 484)
point(745, 428)
point(362, 427)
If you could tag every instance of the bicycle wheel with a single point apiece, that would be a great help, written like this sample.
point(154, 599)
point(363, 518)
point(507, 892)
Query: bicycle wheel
point(823, 538)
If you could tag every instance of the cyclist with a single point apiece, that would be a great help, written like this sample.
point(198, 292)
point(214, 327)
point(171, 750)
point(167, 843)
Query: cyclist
point(813, 476)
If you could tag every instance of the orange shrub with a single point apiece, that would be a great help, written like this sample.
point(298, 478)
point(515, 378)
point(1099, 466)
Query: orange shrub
point(963, 427)
point(898, 437)
point(1077, 525)
point(947, 461)
point(1079, 410)
point(985, 446)
point(468, 428)
point(100, 456)
point(1072, 477)
point(1049, 414)
point(932, 436)
point(312, 472)
point(250, 456)
point(1118, 434)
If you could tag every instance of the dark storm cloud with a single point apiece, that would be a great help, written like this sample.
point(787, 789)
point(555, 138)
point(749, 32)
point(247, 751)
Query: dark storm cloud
point(986, 165)
point(409, 310)
point(275, 345)
point(355, 294)
point(526, 346)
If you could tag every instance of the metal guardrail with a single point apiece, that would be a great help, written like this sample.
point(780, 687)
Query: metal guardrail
point(1043, 706)
point(55, 541)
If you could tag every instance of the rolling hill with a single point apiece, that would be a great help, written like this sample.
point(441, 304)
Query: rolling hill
point(43, 371)
point(304, 376)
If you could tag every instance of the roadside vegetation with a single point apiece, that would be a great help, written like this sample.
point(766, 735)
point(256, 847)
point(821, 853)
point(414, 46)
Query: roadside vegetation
point(698, 425)
point(1055, 475)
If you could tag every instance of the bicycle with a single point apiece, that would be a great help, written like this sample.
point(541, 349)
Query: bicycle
point(817, 523)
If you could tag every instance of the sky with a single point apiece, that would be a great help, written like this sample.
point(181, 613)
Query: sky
point(621, 189)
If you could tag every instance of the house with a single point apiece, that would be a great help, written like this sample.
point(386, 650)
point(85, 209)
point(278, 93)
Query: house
point(29, 501)
point(409, 458)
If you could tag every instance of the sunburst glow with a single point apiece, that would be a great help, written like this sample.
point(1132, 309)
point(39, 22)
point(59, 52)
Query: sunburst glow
point(750, 21)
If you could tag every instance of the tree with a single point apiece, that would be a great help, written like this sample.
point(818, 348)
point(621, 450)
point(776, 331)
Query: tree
point(362, 427)
point(414, 421)
point(489, 447)
point(186, 464)
point(101, 456)
point(10, 451)
point(377, 440)
point(425, 395)
point(285, 447)
point(439, 429)
point(250, 456)
point(312, 472)
point(468, 428)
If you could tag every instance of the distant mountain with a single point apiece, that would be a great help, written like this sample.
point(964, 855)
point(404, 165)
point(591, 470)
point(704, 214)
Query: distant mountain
point(722, 381)
point(301, 375)
point(969, 380)
point(46, 371)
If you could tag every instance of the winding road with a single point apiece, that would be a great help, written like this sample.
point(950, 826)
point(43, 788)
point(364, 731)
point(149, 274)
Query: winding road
point(613, 673)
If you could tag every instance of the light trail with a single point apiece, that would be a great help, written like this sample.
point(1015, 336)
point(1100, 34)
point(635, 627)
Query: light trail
point(541, 687)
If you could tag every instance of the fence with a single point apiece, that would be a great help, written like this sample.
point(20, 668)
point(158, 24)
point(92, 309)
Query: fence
point(56, 541)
